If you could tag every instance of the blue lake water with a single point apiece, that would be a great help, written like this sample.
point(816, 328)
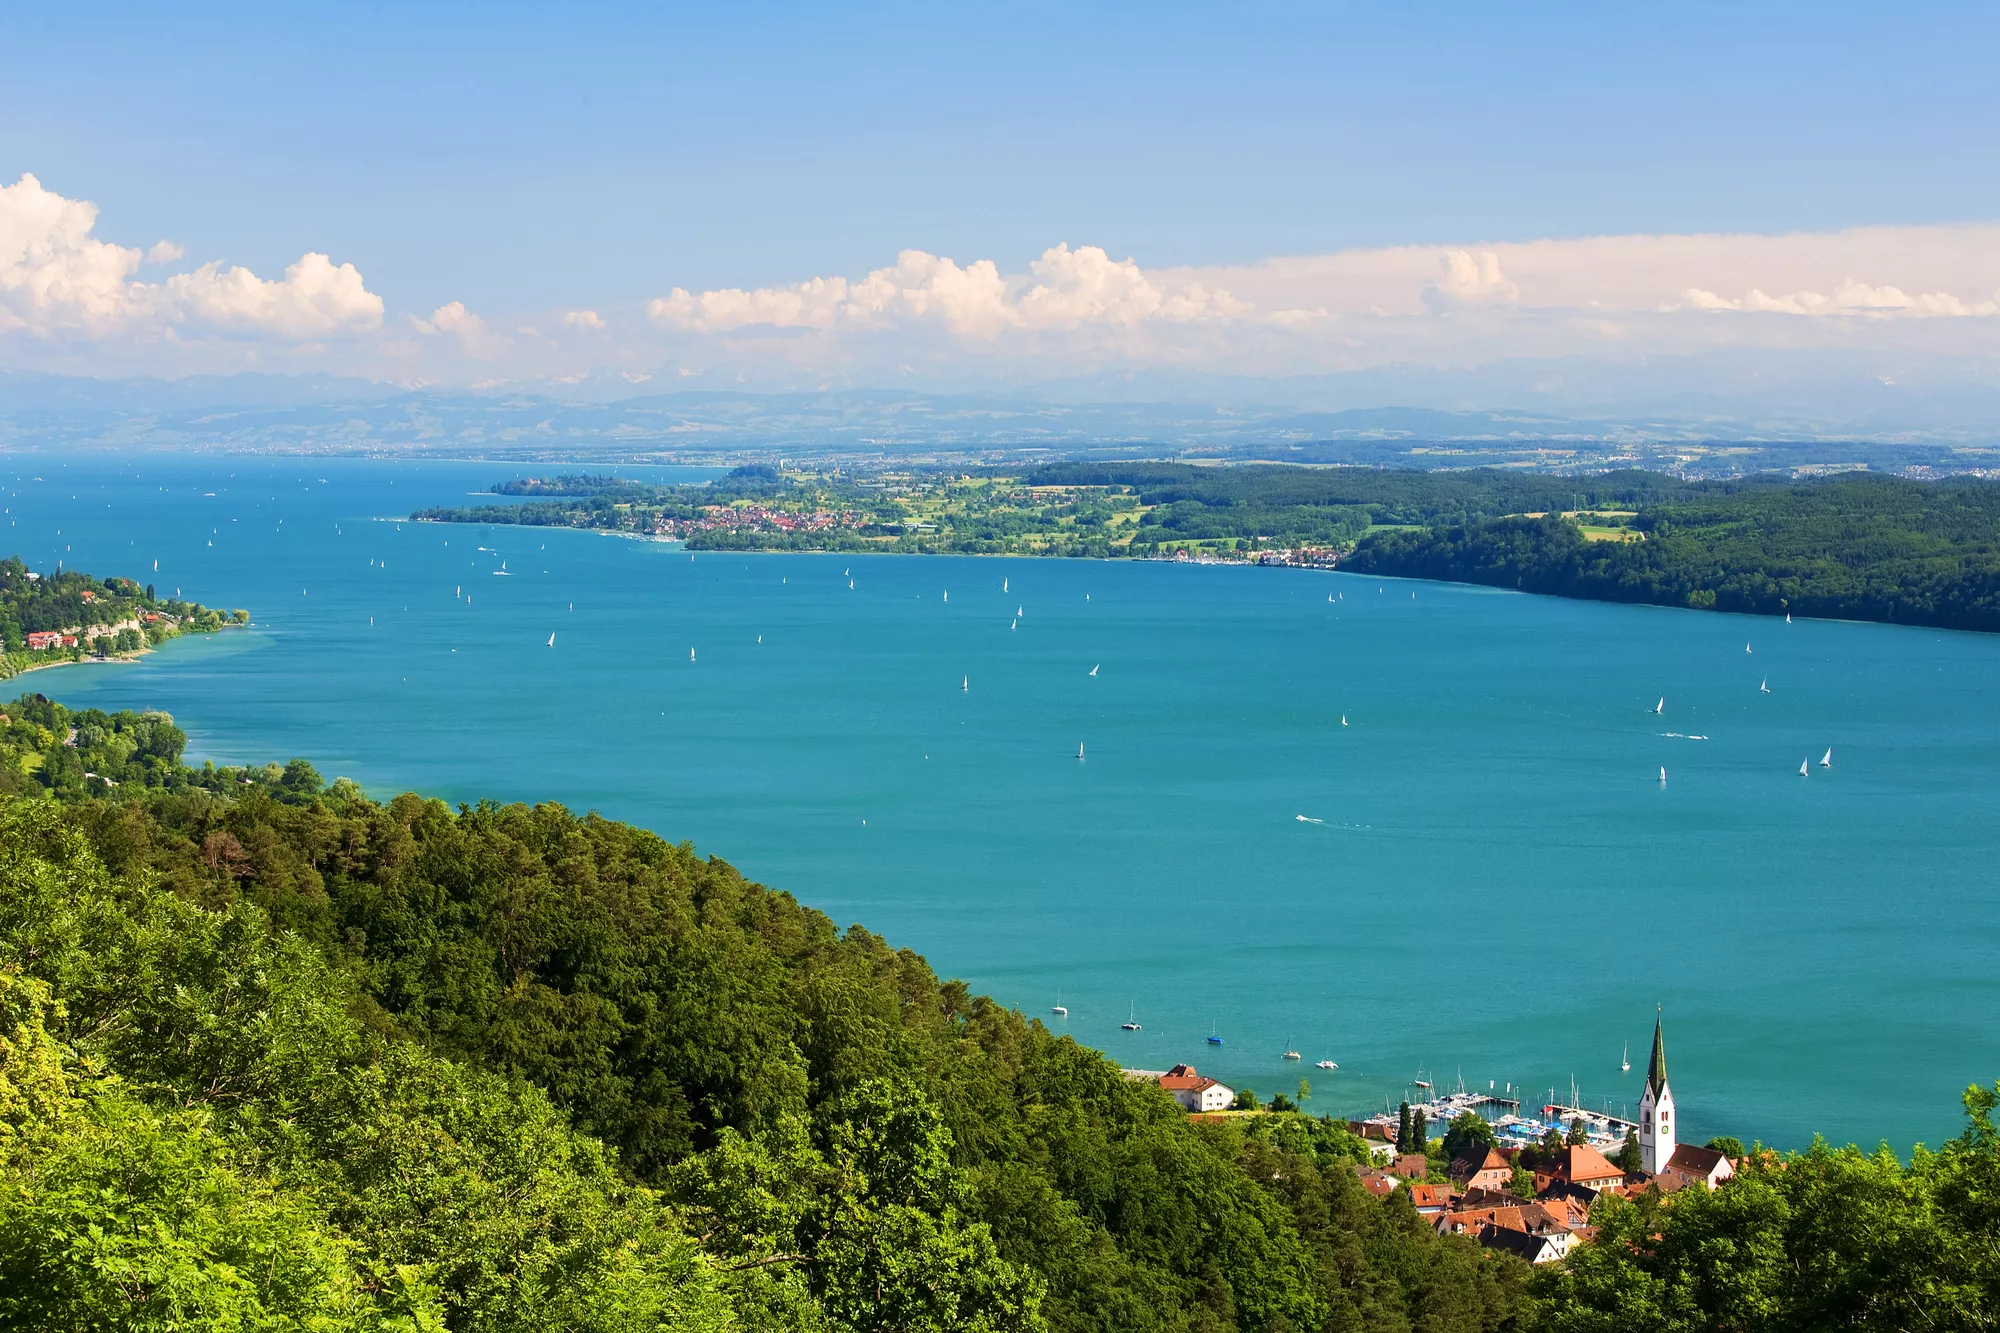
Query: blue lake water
point(1494, 885)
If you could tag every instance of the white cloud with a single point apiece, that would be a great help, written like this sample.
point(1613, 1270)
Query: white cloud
point(57, 280)
point(582, 319)
point(1064, 289)
point(1469, 279)
point(1850, 298)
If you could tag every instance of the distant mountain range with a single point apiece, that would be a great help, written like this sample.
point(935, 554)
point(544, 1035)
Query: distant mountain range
point(1219, 419)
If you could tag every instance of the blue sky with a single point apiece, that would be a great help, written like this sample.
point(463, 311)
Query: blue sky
point(525, 162)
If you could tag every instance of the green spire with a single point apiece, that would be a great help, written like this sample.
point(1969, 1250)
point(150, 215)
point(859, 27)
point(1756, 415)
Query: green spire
point(1656, 1068)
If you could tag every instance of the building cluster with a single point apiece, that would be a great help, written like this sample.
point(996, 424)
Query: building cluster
point(1481, 1196)
point(1480, 1200)
point(40, 640)
point(759, 518)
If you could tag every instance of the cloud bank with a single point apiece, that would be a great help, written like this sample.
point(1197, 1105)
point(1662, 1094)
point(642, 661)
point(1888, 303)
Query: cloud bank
point(59, 281)
point(1063, 290)
point(1907, 297)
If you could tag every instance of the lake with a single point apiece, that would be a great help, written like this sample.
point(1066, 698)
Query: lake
point(1490, 880)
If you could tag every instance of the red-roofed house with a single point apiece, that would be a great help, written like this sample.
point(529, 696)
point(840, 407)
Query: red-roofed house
point(1430, 1200)
point(1196, 1091)
point(1375, 1182)
point(1581, 1166)
point(1409, 1166)
point(1489, 1172)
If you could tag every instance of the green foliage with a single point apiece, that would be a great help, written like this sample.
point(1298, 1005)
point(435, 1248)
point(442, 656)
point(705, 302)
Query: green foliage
point(1470, 1134)
point(1855, 547)
point(1629, 1157)
point(1728, 1145)
point(199, 1133)
point(399, 1022)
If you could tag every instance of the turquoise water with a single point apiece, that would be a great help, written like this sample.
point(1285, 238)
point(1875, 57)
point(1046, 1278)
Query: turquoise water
point(1497, 883)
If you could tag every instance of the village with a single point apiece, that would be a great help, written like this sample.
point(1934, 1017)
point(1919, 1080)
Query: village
point(1521, 1184)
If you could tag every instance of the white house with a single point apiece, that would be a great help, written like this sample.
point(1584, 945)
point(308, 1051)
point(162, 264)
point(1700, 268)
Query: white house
point(1196, 1092)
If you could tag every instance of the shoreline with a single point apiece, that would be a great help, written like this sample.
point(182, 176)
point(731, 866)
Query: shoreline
point(116, 659)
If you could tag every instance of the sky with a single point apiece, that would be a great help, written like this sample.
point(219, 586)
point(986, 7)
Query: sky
point(884, 194)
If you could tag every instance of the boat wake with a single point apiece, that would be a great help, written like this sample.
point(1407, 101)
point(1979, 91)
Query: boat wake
point(1682, 736)
point(1308, 819)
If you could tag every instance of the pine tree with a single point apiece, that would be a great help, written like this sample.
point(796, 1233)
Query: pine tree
point(1420, 1131)
point(1403, 1131)
point(1628, 1158)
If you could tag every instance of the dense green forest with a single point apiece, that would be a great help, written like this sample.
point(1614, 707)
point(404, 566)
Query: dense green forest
point(1856, 547)
point(276, 1055)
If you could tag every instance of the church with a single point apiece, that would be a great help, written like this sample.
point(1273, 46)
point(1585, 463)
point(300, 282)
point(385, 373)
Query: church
point(1660, 1155)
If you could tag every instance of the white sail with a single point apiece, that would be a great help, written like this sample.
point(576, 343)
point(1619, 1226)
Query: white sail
point(947, 594)
point(1661, 706)
point(1093, 670)
point(1803, 765)
point(1826, 760)
point(1764, 685)
point(965, 682)
point(1343, 719)
point(1003, 585)
point(1663, 777)
point(1746, 647)
point(552, 640)
point(690, 654)
point(1079, 749)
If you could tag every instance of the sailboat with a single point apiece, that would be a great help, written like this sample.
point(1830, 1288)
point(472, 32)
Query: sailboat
point(1625, 1060)
point(1131, 1023)
point(947, 594)
point(1343, 719)
point(1057, 1008)
point(1788, 617)
point(1003, 585)
point(1803, 763)
point(965, 683)
point(1661, 706)
point(1326, 1064)
point(1289, 1053)
point(1013, 624)
point(1018, 613)
point(1329, 599)
point(1214, 1040)
point(1764, 685)
point(690, 654)
point(552, 640)
point(1093, 670)
point(1079, 749)
point(1826, 760)
point(1746, 647)
point(1663, 777)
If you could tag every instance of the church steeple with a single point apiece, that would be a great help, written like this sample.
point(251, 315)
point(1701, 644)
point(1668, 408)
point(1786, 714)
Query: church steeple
point(1656, 1109)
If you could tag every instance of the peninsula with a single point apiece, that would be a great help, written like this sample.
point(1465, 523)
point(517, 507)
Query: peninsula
point(69, 616)
point(1854, 545)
